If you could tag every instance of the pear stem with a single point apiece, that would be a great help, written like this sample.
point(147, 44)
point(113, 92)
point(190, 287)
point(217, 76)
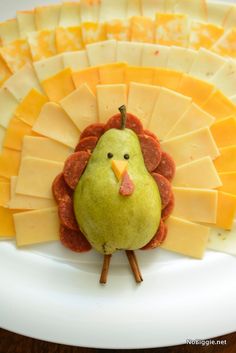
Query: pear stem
point(105, 269)
point(134, 265)
point(122, 110)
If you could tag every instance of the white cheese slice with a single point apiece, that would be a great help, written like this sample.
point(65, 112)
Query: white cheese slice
point(70, 14)
point(223, 240)
point(2, 136)
point(189, 147)
point(225, 78)
point(36, 177)
point(22, 82)
point(81, 107)
point(89, 10)
point(169, 108)
point(102, 52)
point(8, 104)
point(9, 32)
point(26, 22)
point(181, 59)
point(37, 226)
point(133, 8)
point(197, 205)
point(186, 237)
point(206, 64)
point(195, 9)
point(48, 67)
point(54, 123)
point(218, 11)
point(155, 55)
point(47, 17)
point(150, 7)
point(141, 101)
point(76, 61)
point(112, 9)
point(200, 173)
point(110, 98)
point(24, 202)
point(129, 52)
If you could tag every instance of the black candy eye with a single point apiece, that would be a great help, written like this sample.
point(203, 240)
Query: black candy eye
point(126, 156)
point(109, 155)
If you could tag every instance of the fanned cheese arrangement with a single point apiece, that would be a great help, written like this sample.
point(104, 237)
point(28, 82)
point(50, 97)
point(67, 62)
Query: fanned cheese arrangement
point(67, 69)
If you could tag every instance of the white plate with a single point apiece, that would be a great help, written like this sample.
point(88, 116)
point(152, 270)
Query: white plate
point(52, 294)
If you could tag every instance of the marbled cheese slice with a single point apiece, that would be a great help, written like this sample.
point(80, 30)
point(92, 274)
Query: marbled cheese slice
point(42, 44)
point(16, 54)
point(69, 39)
point(204, 35)
point(142, 30)
point(118, 29)
point(93, 32)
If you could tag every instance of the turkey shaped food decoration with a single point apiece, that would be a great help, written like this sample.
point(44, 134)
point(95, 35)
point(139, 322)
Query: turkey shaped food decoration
point(115, 192)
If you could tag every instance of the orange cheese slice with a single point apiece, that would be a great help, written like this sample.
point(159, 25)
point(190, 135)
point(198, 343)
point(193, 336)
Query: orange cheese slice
point(4, 193)
point(112, 73)
point(9, 162)
point(5, 72)
point(226, 210)
point(68, 39)
point(228, 180)
point(42, 44)
point(142, 29)
point(93, 32)
point(7, 227)
point(17, 129)
point(219, 105)
point(167, 78)
point(139, 74)
point(89, 76)
point(226, 162)
point(204, 34)
point(224, 132)
point(225, 46)
point(118, 29)
point(16, 54)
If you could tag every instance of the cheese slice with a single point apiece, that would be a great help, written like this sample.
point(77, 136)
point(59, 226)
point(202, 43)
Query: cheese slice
point(47, 17)
point(217, 12)
point(112, 73)
point(69, 39)
point(17, 129)
point(54, 123)
point(109, 99)
point(9, 32)
point(228, 180)
point(36, 177)
point(225, 46)
point(7, 228)
point(129, 52)
point(226, 162)
point(169, 108)
point(226, 210)
point(112, 10)
point(28, 110)
point(167, 78)
point(4, 193)
point(44, 148)
point(89, 10)
point(59, 86)
point(223, 240)
point(133, 8)
point(225, 78)
point(204, 34)
point(26, 22)
point(24, 202)
point(102, 52)
point(9, 162)
point(70, 14)
point(141, 101)
point(48, 67)
point(229, 19)
point(224, 132)
point(155, 55)
point(81, 107)
point(189, 147)
point(76, 61)
point(118, 29)
point(2, 136)
point(150, 7)
point(37, 226)
point(42, 44)
point(16, 54)
point(8, 104)
point(93, 32)
point(195, 9)
point(219, 105)
point(139, 74)
point(89, 76)
point(5, 72)
point(197, 205)
point(22, 82)
point(233, 99)
point(181, 58)
point(194, 118)
point(142, 29)
point(200, 173)
point(186, 238)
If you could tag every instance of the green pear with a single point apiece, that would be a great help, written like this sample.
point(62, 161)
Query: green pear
point(109, 220)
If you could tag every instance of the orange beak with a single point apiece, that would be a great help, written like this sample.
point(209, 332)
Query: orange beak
point(119, 168)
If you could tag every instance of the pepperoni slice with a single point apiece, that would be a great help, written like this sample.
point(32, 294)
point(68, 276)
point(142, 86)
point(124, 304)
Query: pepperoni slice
point(164, 187)
point(96, 130)
point(158, 238)
point(127, 186)
point(74, 240)
point(166, 167)
point(60, 189)
point(168, 209)
point(151, 152)
point(87, 144)
point(132, 123)
point(66, 214)
point(74, 167)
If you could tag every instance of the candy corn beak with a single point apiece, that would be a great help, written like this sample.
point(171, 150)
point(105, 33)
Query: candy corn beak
point(119, 168)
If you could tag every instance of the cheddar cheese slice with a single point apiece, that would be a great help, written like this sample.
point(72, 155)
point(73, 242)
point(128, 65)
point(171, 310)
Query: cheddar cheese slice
point(49, 67)
point(228, 180)
point(17, 129)
point(9, 32)
point(26, 22)
point(47, 17)
point(42, 44)
point(76, 61)
point(4, 193)
point(226, 210)
point(112, 73)
point(181, 59)
point(167, 78)
point(219, 105)
point(226, 162)
point(225, 78)
point(102, 52)
point(93, 32)
point(139, 74)
point(37, 226)
point(9, 162)
point(223, 240)
point(16, 54)
point(7, 227)
point(130, 53)
point(204, 34)
point(224, 132)
point(54, 123)
point(8, 104)
point(155, 55)
point(142, 29)
point(70, 14)
point(69, 39)
point(225, 46)
point(118, 29)
point(89, 76)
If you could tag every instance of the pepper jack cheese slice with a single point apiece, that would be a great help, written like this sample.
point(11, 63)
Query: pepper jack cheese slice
point(9, 162)
point(181, 58)
point(76, 60)
point(17, 129)
point(228, 180)
point(47, 17)
point(226, 162)
point(225, 78)
point(189, 147)
point(102, 52)
point(226, 210)
point(223, 240)
point(38, 226)
point(42, 44)
point(154, 55)
point(8, 104)
point(186, 237)
point(187, 175)
point(48, 67)
point(36, 177)
point(26, 22)
point(194, 204)
point(9, 32)
point(54, 123)
point(131, 53)
point(224, 132)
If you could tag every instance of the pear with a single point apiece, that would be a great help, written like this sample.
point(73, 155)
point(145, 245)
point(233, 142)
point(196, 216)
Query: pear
point(109, 220)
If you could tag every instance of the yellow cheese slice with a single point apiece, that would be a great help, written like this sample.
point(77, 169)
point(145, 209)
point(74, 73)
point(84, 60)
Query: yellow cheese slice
point(150, 7)
point(76, 61)
point(44, 148)
point(217, 12)
point(24, 202)
point(172, 29)
point(226, 162)
point(109, 99)
point(89, 76)
point(155, 55)
point(189, 147)
point(42, 44)
point(4, 193)
point(17, 129)
point(181, 59)
point(70, 14)
point(133, 8)
point(69, 39)
point(224, 132)
point(9, 32)
point(7, 228)
point(49, 67)
point(9, 162)
point(47, 17)
point(129, 52)
point(197, 89)
point(142, 29)
point(59, 86)
point(36, 177)
point(228, 180)
point(102, 52)
point(118, 29)
point(194, 118)
point(167, 78)
point(2, 136)
point(112, 10)
point(204, 34)
point(5, 72)
point(200, 173)
point(226, 210)
point(169, 108)
point(22, 82)
point(141, 101)
point(112, 73)
point(225, 78)
point(26, 22)
point(28, 110)
point(16, 54)
point(223, 240)
point(139, 74)
point(195, 9)
point(37, 226)
point(81, 107)
point(197, 205)
point(225, 46)
point(54, 123)
point(93, 32)
point(8, 105)
point(89, 10)
point(186, 237)
point(219, 105)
